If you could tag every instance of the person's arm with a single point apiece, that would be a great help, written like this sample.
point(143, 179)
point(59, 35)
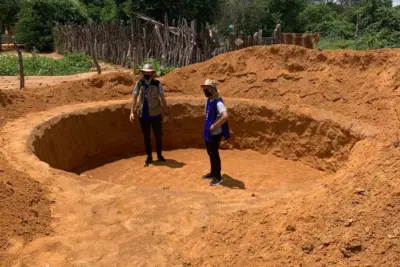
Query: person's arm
point(163, 99)
point(164, 104)
point(134, 102)
point(224, 116)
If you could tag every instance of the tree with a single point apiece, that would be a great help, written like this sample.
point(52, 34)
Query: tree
point(253, 15)
point(38, 17)
point(8, 10)
point(202, 10)
point(326, 21)
point(102, 10)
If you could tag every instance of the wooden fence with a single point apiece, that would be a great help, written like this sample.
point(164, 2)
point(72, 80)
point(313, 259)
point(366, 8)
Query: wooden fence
point(131, 43)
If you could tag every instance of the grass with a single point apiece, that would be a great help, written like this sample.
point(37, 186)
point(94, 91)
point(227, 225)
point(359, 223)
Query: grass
point(37, 65)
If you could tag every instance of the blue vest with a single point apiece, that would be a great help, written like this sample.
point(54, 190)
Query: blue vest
point(211, 116)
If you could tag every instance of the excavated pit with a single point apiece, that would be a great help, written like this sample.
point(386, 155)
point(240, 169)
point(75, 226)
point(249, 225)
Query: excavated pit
point(88, 138)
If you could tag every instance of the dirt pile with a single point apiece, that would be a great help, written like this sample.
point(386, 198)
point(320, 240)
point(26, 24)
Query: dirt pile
point(24, 208)
point(14, 103)
point(364, 84)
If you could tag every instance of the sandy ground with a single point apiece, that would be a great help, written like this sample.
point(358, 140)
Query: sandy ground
point(184, 167)
point(334, 200)
point(12, 82)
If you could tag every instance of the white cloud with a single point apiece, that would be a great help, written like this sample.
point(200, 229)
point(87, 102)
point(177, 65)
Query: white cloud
point(396, 2)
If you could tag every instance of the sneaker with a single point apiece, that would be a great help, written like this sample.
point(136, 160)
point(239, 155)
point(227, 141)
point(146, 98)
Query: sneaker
point(148, 160)
point(161, 158)
point(216, 181)
point(208, 176)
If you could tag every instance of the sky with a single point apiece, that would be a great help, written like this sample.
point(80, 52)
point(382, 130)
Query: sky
point(396, 2)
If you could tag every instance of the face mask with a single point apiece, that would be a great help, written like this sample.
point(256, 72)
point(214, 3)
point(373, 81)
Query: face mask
point(207, 93)
point(147, 76)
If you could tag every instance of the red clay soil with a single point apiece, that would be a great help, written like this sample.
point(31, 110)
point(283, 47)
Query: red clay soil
point(357, 84)
point(350, 220)
point(24, 209)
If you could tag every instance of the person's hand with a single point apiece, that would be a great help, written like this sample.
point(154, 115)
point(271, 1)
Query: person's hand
point(212, 128)
point(166, 118)
point(132, 117)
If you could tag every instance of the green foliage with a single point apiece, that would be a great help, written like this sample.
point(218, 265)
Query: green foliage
point(36, 65)
point(202, 10)
point(38, 17)
point(334, 44)
point(335, 20)
point(253, 15)
point(326, 21)
point(8, 13)
point(158, 68)
point(101, 10)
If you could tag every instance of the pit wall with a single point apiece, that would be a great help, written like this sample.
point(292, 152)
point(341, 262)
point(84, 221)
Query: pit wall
point(89, 137)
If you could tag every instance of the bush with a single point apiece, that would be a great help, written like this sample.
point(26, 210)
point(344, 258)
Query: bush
point(36, 65)
point(38, 17)
point(334, 44)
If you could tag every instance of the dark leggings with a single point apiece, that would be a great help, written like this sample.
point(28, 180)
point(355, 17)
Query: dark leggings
point(156, 124)
point(213, 153)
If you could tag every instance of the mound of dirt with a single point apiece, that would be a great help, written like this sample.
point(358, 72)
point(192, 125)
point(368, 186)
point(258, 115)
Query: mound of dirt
point(362, 84)
point(108, 86)
point(24, 208)
point(100, 87)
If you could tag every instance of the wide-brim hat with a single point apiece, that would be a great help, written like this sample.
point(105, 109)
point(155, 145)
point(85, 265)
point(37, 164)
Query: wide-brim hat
point(210, 82)
point(147, 68)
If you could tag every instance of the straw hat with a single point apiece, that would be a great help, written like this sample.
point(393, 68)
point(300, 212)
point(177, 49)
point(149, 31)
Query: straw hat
point(210, 82)
point(147, 68)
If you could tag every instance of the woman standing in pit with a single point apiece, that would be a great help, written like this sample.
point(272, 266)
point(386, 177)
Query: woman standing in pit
point(216, 127)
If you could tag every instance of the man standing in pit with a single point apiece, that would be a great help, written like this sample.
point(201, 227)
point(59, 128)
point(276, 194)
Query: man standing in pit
point(216, 127)
point(149, 108)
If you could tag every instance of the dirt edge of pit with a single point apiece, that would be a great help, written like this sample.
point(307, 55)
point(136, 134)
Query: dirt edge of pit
point(320, 139)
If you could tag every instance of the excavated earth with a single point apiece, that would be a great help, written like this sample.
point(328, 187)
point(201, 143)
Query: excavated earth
point(311, 171)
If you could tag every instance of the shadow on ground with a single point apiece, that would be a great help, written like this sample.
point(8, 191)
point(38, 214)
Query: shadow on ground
point(171, 163)
point(232, 183)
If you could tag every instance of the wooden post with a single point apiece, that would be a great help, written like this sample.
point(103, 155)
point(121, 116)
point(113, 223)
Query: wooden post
point(162, 43)
point(277, 34)
point(20, 66)
point(94, 56)
point(357, 29)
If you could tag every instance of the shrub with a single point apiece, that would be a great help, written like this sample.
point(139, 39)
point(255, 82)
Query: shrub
point(36, 65)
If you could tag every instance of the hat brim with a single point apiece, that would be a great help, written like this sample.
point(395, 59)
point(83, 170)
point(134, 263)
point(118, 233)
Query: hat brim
point(146, 70)
point(206, 85)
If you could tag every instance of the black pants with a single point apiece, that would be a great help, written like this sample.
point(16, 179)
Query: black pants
point(156, 124)
point(213, 153)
